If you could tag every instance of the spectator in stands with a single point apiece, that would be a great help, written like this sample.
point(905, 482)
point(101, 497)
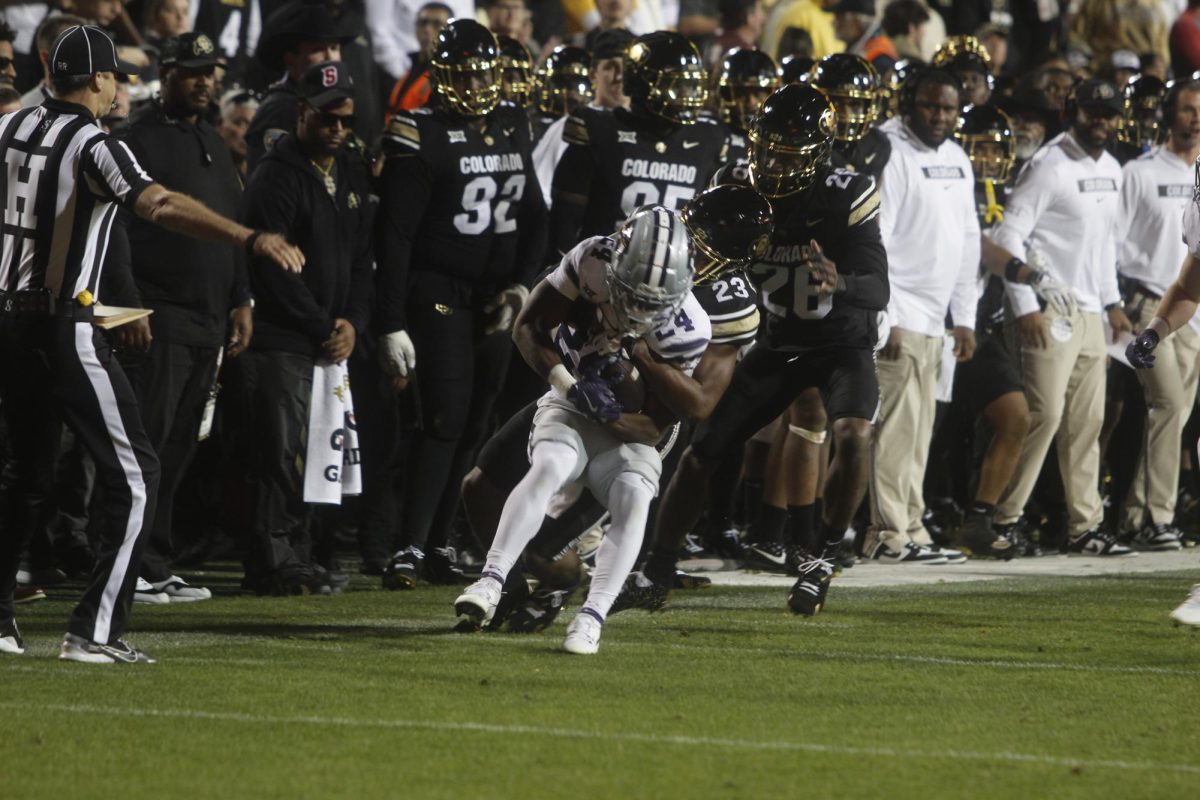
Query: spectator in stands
point(1110, 25)
point(1185, 41)
point(805, 15)
point(393, 27)
point(904, 22)
point(8, 66)
point(507, 18)
point(412, 90)
point(741, 26)
point(854, 24)
point(237, 109)
point(1123, 65)
point(166, 18)
point(1155, 65)
point(994, 39)
point(1055, 83)
point(614, 15)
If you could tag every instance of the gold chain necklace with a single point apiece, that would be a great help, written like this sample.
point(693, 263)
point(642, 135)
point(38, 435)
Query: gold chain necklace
point(327, 174)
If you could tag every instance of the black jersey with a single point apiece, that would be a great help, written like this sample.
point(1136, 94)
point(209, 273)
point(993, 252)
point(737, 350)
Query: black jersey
point(840, 211)
point(868, 155)
point(459, 210)
point(990, 315)
point(731, 303)
point(621, 161)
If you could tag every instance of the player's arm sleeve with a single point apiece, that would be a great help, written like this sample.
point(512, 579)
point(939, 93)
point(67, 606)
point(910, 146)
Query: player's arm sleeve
point(271, 203)
point(404, 191)
point(865, 283)
point(965, 299)
point(114, 172)
point(1032, 196)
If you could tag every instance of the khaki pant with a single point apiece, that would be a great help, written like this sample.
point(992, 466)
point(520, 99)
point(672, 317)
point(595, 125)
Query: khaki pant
point(908, 389)
point(1064, 385)
point(1170, 391)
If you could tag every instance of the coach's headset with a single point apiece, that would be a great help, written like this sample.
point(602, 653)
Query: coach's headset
point(912, 84)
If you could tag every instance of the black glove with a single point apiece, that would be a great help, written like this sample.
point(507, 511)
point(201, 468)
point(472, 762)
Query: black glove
point(1140, 351)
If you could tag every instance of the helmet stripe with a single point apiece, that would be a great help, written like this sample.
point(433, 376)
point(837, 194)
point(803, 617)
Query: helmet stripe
point(662, 234)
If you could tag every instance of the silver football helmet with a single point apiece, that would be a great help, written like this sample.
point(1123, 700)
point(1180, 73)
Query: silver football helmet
point(650, 272)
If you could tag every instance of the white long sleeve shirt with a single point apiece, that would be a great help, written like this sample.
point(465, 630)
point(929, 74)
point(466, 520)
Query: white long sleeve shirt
point(1066, 207)
point(393, 27)
point(929, 227)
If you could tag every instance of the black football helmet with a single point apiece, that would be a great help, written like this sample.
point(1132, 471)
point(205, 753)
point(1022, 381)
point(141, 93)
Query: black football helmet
point(663, 73)
point(465, 66)
point(563, 84)
point(986, 133)
point(853, 85)
point(959, 53)
point(796, 69)
point(516, 72)
point(1142, 119)
point(890, 85)
point(730, 226)
point(791, 137)
point(743, 80)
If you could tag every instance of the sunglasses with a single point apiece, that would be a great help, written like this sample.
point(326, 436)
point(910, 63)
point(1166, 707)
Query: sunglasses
point(327, 119)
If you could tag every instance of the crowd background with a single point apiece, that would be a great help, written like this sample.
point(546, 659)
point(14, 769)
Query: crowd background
point(1037, 51)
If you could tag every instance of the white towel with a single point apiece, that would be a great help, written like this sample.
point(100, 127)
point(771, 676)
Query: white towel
point(332, 466)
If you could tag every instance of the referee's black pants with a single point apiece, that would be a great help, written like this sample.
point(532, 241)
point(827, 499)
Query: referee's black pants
point(171, 383)
point(49, 362)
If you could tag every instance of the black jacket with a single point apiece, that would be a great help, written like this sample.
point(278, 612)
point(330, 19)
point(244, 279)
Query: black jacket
point(276, 115)
point(296, 313)
point(190, 284)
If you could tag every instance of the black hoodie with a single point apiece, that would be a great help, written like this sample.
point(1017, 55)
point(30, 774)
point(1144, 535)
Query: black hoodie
point(287, 195)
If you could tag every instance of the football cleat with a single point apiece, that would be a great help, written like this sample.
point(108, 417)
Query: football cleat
point(583, 634)
point(1096, 543)
point(1188, 612)
point(478, 601)
point(982, 541)
point(686, 580)
point(641, 592)
point(441, 568)
point(76, 648)
point(402, 570)
point(539, 611)
point(807, 596)
point(769, 557)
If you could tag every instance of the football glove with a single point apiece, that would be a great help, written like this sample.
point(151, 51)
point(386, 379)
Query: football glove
point(594, 397)
point(397, 355)
point(504, 308)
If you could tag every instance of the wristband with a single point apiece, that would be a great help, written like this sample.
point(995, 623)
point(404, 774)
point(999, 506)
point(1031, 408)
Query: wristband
point(1012, 269)
point(251, 239)
point(561, 379)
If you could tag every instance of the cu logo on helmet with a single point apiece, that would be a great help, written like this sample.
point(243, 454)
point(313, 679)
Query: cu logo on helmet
point(329, 76)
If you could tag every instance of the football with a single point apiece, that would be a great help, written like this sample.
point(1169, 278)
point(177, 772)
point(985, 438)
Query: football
point(630, 390)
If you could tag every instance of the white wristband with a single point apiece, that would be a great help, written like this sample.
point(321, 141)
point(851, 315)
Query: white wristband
point(561, 379)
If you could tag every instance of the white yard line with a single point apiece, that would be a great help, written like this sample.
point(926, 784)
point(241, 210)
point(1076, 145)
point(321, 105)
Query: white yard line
point(603, 736)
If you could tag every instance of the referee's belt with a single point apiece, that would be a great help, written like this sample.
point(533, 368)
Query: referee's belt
point(34, 302)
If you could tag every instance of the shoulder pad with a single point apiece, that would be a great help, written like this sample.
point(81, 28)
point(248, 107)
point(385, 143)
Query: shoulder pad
point(403, 130)
point(575, 131)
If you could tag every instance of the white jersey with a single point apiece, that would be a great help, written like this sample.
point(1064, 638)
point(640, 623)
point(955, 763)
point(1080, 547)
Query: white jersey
point(591, 328)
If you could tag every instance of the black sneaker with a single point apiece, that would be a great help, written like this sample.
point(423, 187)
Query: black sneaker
point(1158, 537)
point(1096, 543)
point(769, 557)
point(640, 592)
point(10, 639)
point(402, 569)
point(686, 580)
point(728, 544)
point(539, 611)
point(982, 541)
point(441, 568)
point(1026, 546)
point(807, 596)
point(76, 648)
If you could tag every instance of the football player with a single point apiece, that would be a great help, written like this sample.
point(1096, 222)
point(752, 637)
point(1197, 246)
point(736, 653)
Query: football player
point(458, 237)
point(563, 86)
point(659, 151)
point(517, 81)
point(634, 284)
point(971, 63)
point(741, 82)
point(852, 85)
point(728, 225)
point(1142, 120)
point(823, 283)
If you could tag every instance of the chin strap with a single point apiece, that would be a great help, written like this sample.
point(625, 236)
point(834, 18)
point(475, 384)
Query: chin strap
point(994, 212)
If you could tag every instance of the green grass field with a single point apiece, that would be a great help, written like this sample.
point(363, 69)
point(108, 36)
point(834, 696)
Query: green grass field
point(1032, 688)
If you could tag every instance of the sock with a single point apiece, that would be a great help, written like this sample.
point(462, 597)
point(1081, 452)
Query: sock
point(982, 509)
point(768, 526)
point(801, 527)
point(552, 465)
point(629, 503)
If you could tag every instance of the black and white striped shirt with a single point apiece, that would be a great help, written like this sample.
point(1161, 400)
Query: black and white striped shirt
point(61, 178)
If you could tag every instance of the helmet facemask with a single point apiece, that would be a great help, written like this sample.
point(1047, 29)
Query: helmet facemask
point(778, 170)
point(992, 156)
point(678, 95)
point(854, 111)
point(471, 89)
point(565, 90)
point(741, 102)
point(1141, 123)
point(516, 80)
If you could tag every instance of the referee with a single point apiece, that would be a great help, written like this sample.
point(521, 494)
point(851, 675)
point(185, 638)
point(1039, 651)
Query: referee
point(63, 180)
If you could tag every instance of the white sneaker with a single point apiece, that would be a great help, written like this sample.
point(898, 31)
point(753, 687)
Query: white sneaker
point(583, 635)
point(10, 639)
point(146, 593)
point(177, 590)
point(1189, 612)
point(76, 648)
point(478, 601)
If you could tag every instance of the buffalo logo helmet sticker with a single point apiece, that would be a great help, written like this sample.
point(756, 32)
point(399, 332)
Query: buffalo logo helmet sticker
point(202, 46)
point(1104, 91)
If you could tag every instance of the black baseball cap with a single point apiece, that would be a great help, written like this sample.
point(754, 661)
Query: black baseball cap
point(853, 7)
point(611, 43)
point(86, 50)
point(1097, 93)
point(327, 83)
point(189, 50)
point(295, 22)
